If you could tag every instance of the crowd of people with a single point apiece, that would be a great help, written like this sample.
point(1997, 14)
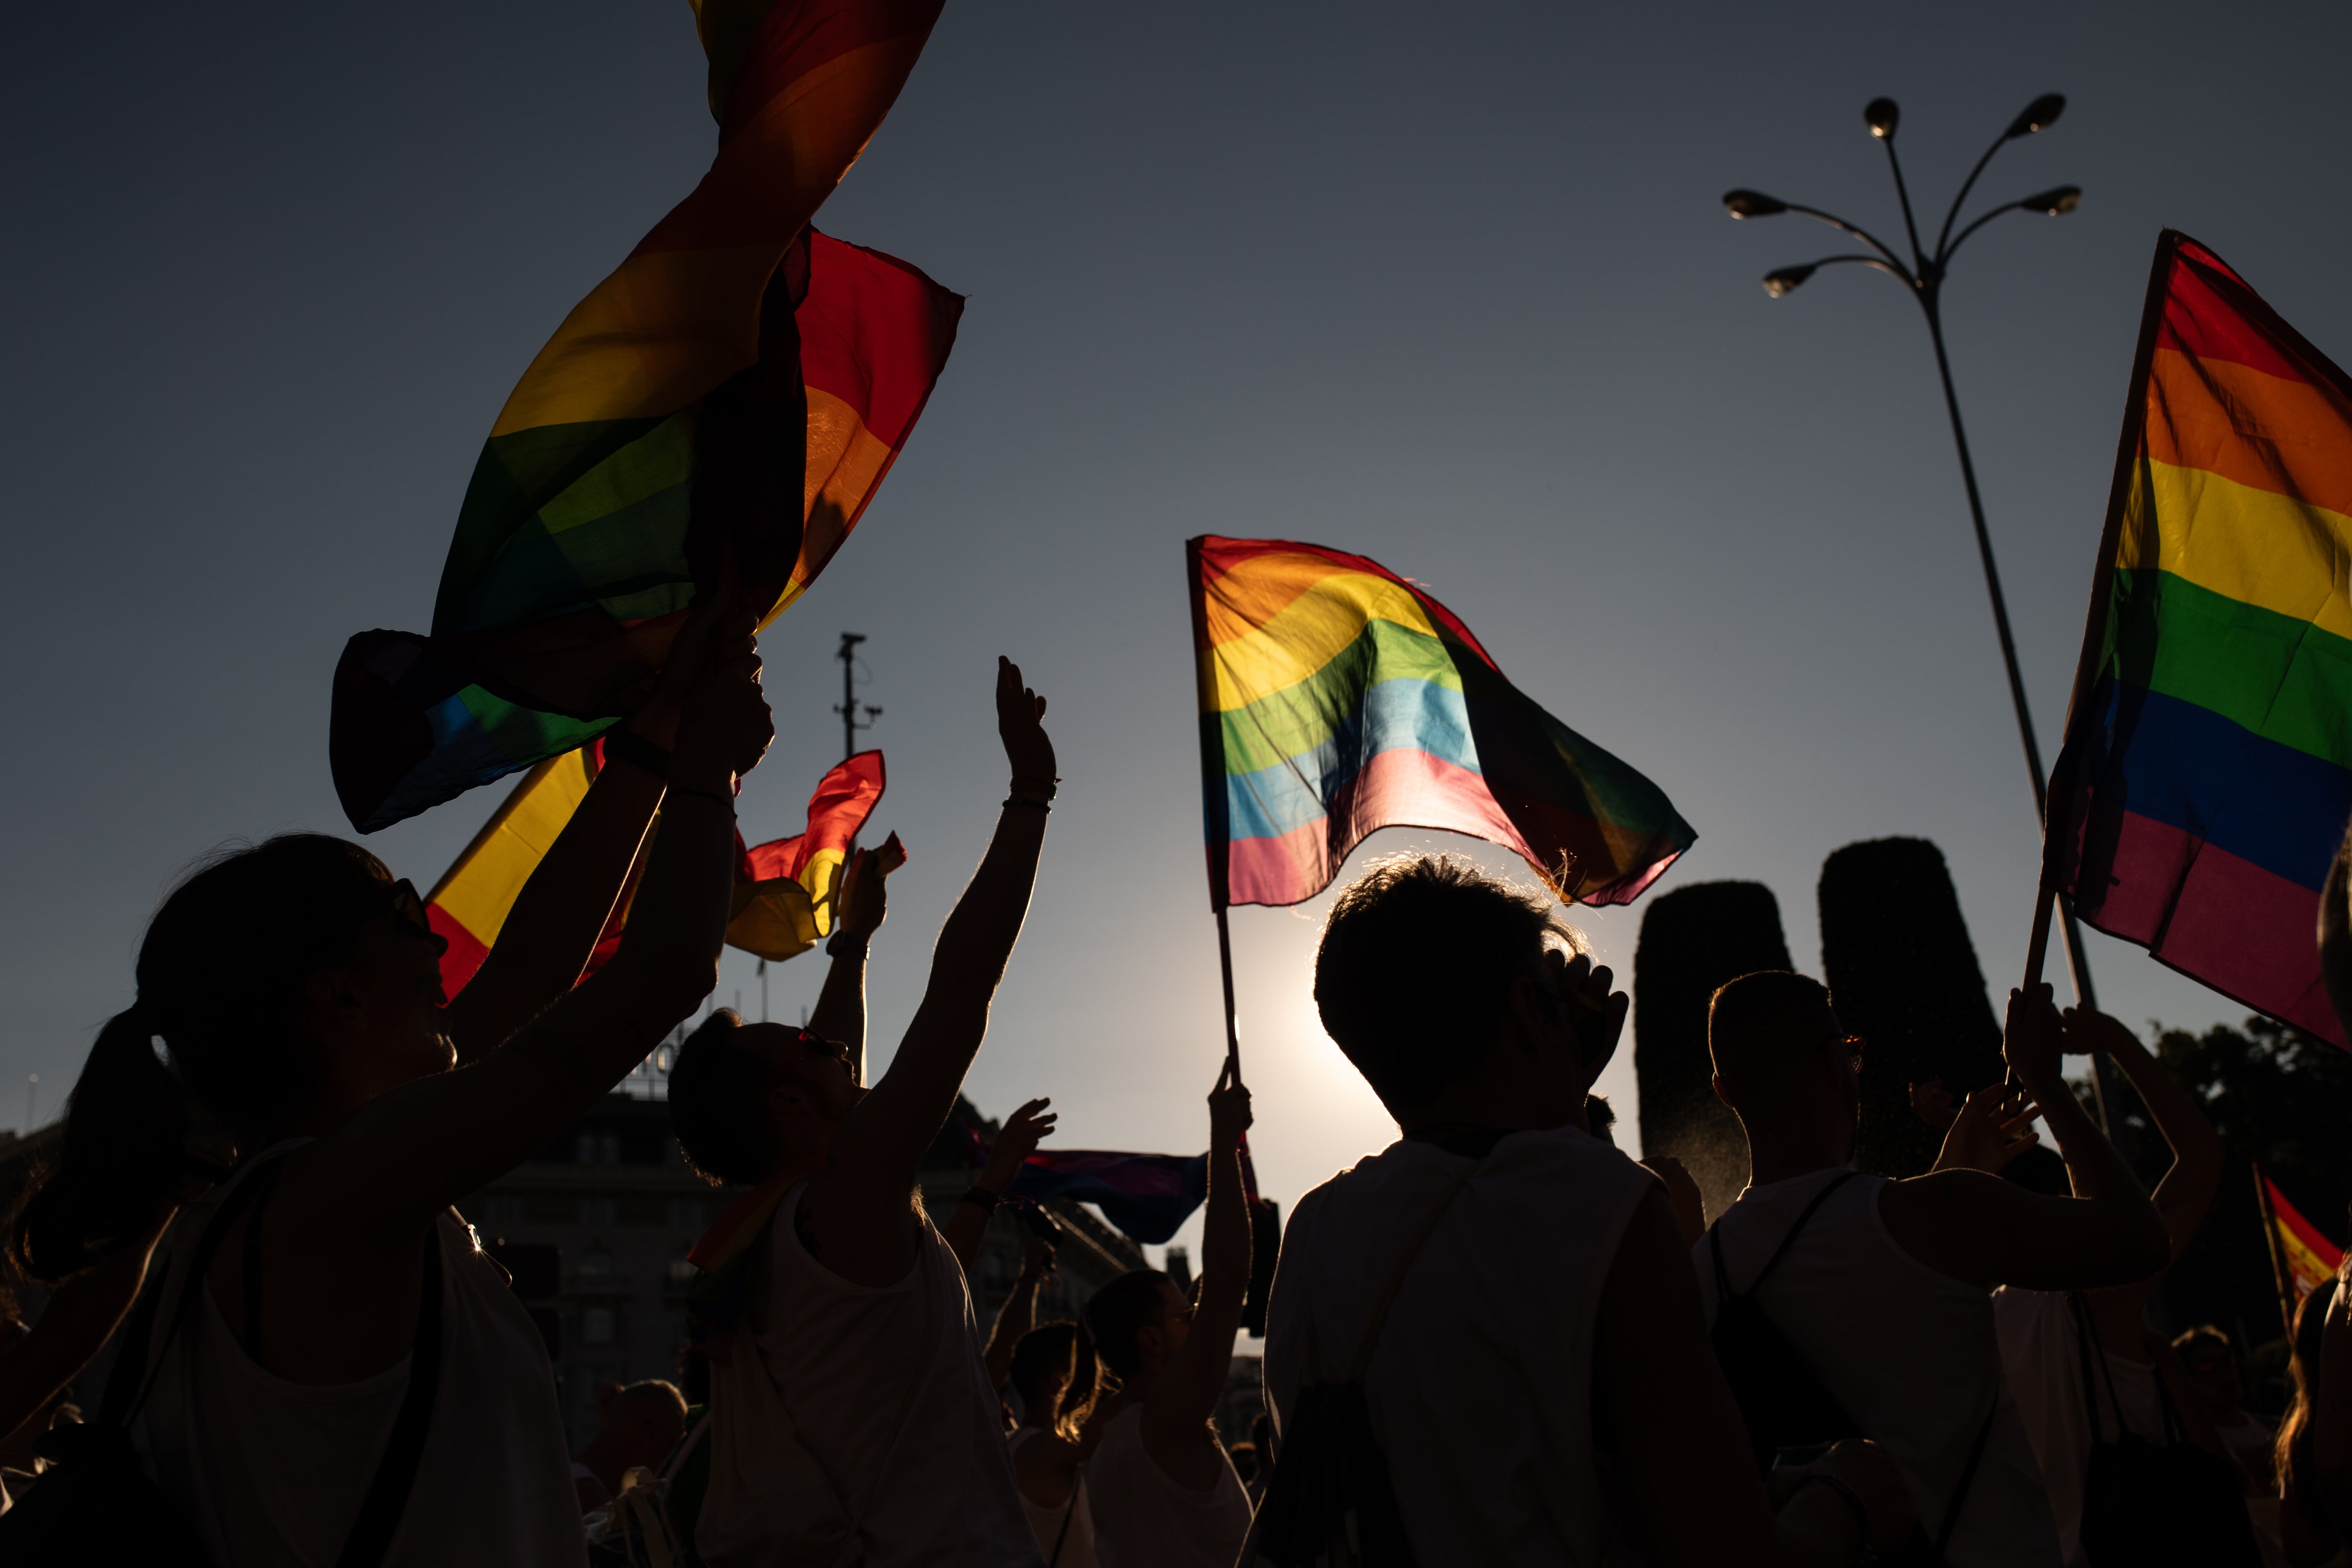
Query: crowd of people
point(1499, 1340)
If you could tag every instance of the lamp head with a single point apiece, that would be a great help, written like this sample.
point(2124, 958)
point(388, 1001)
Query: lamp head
point(1752, 203)
point(2039, 115)
point(1881, 115)
point(1778, 283)
point(2055, 202)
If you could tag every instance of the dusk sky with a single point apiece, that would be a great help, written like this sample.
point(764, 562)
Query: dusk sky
point(1450, 288)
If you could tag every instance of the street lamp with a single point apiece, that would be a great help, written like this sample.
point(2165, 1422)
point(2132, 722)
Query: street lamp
point(1923, 274)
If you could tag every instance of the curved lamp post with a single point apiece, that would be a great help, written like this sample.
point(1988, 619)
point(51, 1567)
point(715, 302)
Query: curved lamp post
point(1924, 275)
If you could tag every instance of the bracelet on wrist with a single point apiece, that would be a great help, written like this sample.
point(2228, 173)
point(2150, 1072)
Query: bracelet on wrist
point(711, 795)
point(1036, 785)
point(979, 1198)
point(633, 748)
point(842, 943)
point(1030, 801)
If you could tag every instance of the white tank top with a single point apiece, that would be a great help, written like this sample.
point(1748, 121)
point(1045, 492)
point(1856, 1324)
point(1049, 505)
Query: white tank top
point(1909, 1352)
point(1065, 1532)
point(939, 1489)
point(1480, 1389)
point(1145, 1519)
point(272, 1473)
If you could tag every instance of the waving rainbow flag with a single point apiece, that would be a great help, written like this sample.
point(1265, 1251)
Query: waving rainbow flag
point(2207, 773)
point(735, 358)
point(1337, 698)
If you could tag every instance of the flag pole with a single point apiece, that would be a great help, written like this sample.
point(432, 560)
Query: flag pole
point(2278, 1266)
point(1225, 966)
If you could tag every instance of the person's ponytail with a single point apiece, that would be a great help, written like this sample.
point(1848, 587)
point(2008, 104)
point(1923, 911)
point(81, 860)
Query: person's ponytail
point(122, 1157)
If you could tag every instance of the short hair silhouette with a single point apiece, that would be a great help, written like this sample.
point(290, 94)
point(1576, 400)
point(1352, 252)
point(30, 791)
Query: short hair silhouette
point(1414, 973)
point(717, 1092)
point(1120, 1312)
point(1758, 1025)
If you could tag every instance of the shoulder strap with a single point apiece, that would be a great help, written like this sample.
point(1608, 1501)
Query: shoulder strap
point(1077, 1485)
point(396, 1473)
point(1803, 1220)
point(1969, 1473)
point(133, 1361)
point(264, 1182)
point(1396, 1280)
point(2089, 1349)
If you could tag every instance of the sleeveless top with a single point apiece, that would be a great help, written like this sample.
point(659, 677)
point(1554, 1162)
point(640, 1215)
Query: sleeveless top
point(1480, 1389)
point(1143, 1519)
point(939, 1489)
point(1075, 1512)
point(1910, 1353)
point(2044, 1359)
point(272, 1473)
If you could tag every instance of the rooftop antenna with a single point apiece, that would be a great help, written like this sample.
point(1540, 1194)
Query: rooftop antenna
point(854, 715)
point(32, 1091)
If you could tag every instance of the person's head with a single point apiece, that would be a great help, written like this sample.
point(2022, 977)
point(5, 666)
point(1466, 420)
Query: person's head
point(2210, 1362)
point(1139, 1321)
point(285, 982)
point(1054, 1371)
point(1782, 1060)
point(749, 1099)
point(1433, 973)
point(638, 1423)
point(2291, 1449)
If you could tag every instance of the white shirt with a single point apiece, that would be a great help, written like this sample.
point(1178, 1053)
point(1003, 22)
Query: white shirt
point(1144, 1519)
point(1908, 1352)
point(941, 1486)
point(1065, 1532)
point(272, 1473)
point(2044, 1357)
point(1480, 1389)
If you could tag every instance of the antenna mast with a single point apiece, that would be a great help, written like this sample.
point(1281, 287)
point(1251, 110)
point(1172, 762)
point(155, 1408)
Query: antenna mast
point(854, 715)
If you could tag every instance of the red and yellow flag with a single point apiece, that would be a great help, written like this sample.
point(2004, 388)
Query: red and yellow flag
point(2311, 1259)
point(785, 889)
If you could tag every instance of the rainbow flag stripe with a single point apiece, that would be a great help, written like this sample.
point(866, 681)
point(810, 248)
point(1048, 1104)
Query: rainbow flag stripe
point(2207, 772)
point(655, 434)
point(2311, 1259)
point(1338, 699)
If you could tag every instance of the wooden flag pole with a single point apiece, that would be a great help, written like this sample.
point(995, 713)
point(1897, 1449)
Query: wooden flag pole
point(2278, 1265)
point(1225, 965)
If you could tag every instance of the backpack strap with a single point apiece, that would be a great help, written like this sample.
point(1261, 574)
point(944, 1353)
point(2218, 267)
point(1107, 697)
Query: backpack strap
point(2089, 1348)
point(1803, 1218)
point(1396, 1279)
point(396, 1473)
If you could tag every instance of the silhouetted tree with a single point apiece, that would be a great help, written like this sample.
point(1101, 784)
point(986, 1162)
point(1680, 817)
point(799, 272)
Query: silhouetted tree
point(1900, 967)
point(1693, 941)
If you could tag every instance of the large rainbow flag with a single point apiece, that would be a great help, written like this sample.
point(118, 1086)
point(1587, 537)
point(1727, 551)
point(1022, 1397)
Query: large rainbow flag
point(1337, 698)
point(735, 358)
point(2207, 773)
point(785, 890)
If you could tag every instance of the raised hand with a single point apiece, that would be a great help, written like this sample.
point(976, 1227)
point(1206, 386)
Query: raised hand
point(2033, 1040)
point(1597, 1013)
point(1020, 723)
point(1229, 1110)
point(865, 890)
point(1015, 1141)
point(2091, 1033)
point(1992, 1127)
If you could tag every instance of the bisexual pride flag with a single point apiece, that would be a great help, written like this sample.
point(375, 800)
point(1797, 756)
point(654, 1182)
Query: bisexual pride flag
point(2207, 771)
point(1337, 699)
point(729, 398)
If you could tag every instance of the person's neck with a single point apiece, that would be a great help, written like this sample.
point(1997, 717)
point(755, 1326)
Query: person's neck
point(598, 1456)
point(1143, 1384)
point(1780, 1155)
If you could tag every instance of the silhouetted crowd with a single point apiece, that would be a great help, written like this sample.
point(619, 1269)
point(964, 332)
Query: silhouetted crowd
point(1499, 1340)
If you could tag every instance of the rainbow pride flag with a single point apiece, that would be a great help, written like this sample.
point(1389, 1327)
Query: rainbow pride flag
point(735, 357)
point(1337, 699)
point(784, 890)
point(2207, 773)
point(2309, 1257)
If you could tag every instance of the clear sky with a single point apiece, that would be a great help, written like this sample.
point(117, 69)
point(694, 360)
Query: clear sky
point(1448, 287)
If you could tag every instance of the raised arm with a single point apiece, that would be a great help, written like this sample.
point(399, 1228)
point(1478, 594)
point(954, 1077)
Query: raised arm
point(1176, 1417)
point(1019, 1313)
point(563, 909)
point(2185, 1191)
point(1976, 1227)
point(414, 1150)
point(857, 1210)
point(840, 1014)
point(1015, 1141)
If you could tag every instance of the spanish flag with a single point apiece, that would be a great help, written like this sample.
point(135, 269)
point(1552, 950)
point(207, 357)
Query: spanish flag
point(2309, 1259)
